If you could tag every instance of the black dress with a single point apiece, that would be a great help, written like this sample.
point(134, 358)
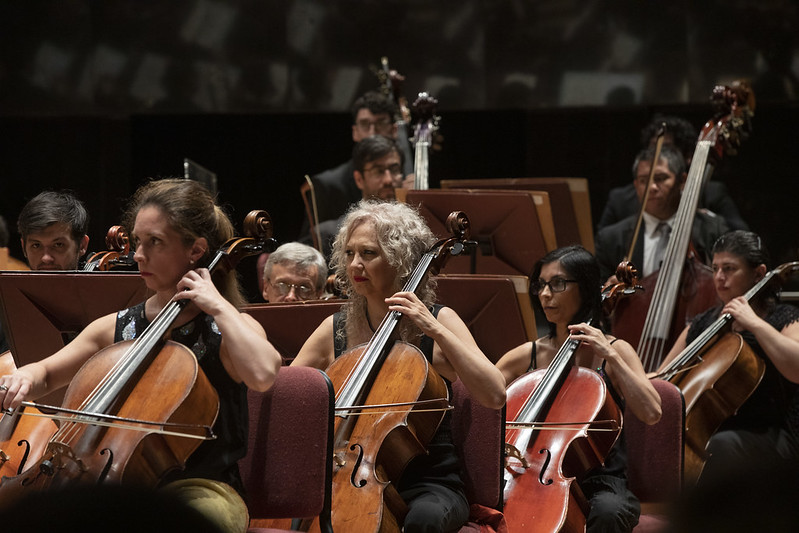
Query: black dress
point(214, 459)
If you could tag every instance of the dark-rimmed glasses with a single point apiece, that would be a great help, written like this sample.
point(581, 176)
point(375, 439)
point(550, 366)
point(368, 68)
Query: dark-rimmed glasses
point(555, 285)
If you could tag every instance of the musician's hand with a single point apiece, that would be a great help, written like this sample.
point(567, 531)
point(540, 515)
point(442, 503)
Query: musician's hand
point(408, 181)
point(14, 388)
point(412, 307)
point(742, 312)
point(594, 338)
point(198, 287)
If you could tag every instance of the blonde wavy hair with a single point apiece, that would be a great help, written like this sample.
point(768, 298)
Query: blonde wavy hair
point(403, 238)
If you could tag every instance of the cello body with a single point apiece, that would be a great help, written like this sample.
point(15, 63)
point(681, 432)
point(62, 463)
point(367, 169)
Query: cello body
point(541, 490)
point(714, 391)
point(23, 439)
point(172, 388)
point(372, 450)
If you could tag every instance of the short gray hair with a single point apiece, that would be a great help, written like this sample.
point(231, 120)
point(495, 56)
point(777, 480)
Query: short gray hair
point(301, 255)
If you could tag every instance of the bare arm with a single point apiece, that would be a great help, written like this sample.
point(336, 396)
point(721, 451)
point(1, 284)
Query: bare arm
point(37, 379)
point(625, 371)
point(317, 352)
point(455, 354)
point(245, 352)
point(782, 347)
point(515, 362)
point(679, 345)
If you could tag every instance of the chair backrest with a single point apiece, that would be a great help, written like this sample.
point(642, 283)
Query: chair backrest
point(655, 453)
point(479, 435)
point(287, 472)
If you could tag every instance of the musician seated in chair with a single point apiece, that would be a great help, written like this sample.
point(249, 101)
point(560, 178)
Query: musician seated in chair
point(176, 228)
point(623, 202)
point(53, 226)
point(766, 426)
point(376, 250)
point(612, 242)
point(377, 173)
point(294, 272)
point(566, 281)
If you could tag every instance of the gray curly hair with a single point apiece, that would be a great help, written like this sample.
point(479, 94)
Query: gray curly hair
point(403, 237)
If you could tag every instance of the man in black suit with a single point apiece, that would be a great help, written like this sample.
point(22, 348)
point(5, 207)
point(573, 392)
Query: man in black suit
point(335, 188)
point(623, 201)
point(612, 242)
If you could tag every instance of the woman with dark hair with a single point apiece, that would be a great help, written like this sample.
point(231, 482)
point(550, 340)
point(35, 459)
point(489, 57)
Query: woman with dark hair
point(767, 424)
point(568, 287)
point(176, 227)
point(376, 250)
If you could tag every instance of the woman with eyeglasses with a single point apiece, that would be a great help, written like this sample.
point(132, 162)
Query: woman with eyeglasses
point(766, 426)
point(567, 284)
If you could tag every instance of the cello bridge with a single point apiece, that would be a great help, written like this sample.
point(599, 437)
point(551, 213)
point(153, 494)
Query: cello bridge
point(513, 451)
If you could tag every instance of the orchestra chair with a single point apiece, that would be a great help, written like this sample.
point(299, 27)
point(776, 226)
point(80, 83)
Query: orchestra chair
point(655, 457)
point(479, 436)
point(571, 203)
point(288, 469)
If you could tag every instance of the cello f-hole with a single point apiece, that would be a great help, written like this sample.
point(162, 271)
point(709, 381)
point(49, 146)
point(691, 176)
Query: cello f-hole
point(545, 466)
point(355, 482)
point(108, 464)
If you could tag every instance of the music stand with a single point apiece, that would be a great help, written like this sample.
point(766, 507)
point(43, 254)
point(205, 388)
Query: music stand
point(42, 311)
point(497, 309)
point(512, 228)
point(195, 171)
point(571, 203)
point(289, 324)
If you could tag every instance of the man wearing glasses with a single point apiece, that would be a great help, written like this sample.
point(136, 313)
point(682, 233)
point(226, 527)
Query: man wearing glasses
point(335, 189)
point(294, 272)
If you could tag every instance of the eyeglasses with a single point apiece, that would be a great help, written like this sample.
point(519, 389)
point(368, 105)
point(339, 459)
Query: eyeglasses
point(303, 292)
point(381, 125)
point(380, 170)
point(555, 285)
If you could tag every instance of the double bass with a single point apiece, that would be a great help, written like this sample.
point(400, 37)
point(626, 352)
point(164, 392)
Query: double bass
point(424, 109)
point(561, 423)
point(683, 287)
point(389, 404)
point(136, 409)
point(716, 374)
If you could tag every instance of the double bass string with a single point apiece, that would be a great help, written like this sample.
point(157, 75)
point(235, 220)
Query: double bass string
point(655, 332)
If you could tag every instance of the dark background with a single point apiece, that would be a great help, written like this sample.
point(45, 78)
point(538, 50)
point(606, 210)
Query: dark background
point(98, 96)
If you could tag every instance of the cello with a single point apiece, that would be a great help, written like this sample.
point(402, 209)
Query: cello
point(561, 422)
point(117, 254)
point(717, 373)
point(683, 287)
point(136, 409)
point(389, 404)
point(22, 438)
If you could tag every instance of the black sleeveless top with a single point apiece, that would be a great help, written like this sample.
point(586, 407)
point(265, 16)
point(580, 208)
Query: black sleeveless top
point(775, 399)
point(440, 467)
point(214, 459)
point(616, 460)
